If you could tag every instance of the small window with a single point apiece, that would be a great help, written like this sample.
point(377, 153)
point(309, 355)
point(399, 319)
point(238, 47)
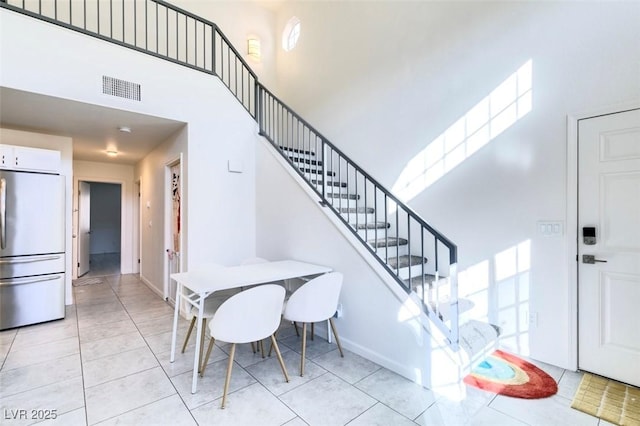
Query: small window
point(290, 34)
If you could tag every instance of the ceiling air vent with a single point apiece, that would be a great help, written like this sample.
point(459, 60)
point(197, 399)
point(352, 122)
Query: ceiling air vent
point(121, 88)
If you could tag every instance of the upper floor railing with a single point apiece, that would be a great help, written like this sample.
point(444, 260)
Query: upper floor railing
point(156, 28)
point(160, 29)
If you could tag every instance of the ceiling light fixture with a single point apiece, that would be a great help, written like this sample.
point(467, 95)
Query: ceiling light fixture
point(112, 153)
point(125, 129)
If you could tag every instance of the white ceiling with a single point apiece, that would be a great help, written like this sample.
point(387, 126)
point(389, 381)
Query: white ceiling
point(94, 129)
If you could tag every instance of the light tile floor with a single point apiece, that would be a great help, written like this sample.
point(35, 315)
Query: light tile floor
point(108, 363)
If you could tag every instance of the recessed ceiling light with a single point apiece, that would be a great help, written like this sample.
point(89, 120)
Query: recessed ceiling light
point(124, 129)
point(112, 153)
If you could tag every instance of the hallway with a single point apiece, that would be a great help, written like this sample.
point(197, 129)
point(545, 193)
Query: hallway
point(103, 264)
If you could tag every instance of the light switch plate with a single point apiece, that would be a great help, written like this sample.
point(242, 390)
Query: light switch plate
point(551, 228)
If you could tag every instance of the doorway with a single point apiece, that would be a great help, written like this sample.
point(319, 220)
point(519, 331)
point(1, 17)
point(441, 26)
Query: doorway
point(173, 224)
point(99, 228)
point(608, 245)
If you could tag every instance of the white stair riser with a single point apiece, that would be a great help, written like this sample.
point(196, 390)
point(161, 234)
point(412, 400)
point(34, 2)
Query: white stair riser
point(361, 217)
point(311, 169)
point(382, 251)
point(373, 234)
point(343, 202)
point(298, 155)
point(314, 176)
point(416, 271)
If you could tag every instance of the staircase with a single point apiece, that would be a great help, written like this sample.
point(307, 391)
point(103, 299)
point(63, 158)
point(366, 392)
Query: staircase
point(476, 338)
point(363, 220)
point(420, 260)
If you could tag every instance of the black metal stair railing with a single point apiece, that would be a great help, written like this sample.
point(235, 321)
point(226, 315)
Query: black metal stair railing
point(418, 257)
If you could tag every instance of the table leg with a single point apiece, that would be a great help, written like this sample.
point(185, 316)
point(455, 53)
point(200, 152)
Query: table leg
point(196, 360)
point(176, 313)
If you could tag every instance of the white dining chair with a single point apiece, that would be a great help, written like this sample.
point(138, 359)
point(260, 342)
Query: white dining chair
point(211, 305)
point(315, 301)
point(246, 317)
point(255, 261)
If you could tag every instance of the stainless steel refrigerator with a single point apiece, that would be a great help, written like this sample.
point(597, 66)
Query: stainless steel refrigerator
point(32, 245)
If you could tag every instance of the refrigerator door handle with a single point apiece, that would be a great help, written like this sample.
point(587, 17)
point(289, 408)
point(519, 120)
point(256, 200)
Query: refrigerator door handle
point(22, 281)
point(3, 213)
point(39, 259)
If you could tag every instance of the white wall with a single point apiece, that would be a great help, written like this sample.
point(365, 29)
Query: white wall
point(220, 213)
point(122, 175)
point(390, 77)
point(64, 145)
point(239, 20)
point(153, 193)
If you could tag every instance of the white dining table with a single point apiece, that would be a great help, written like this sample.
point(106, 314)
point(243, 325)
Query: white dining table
point(204, 281)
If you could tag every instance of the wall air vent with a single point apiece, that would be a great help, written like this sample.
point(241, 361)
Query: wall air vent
point(121, 88)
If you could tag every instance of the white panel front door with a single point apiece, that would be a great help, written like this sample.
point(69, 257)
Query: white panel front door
point(84, 227)
point(609, 281)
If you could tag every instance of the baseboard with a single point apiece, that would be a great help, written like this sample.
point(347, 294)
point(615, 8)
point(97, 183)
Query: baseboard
point(383, 361)
point(149, 284)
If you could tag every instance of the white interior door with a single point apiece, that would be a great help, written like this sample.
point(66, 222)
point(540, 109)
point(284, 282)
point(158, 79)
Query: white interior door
point(609, 281)
point(84, 227)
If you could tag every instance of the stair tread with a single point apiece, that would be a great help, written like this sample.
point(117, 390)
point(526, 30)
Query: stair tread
point(370, 225)
point(417, 281)
point(296, 150)
point(343, 196)
point(476, 336)
point(388, 242)
point(354, 210)
point(330, 183)
point(405, 260)
point(316, 171)
point(305, 161)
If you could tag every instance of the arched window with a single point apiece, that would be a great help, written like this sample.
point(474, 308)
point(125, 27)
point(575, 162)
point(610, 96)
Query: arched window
point(290, 34)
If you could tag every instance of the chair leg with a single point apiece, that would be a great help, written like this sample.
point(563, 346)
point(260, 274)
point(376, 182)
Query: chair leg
point(186, 339)
point(295, 325)
point(228, 379)
point(335, 334)
point(274, 344)
point(271, 347)
point(253, 347)
point(313, 329)
point(304, 348)
point(204, 331)
point(205, 361)
point(261, 348)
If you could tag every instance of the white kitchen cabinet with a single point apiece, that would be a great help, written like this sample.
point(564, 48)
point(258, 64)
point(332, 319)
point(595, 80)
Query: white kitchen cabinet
point(15, 157)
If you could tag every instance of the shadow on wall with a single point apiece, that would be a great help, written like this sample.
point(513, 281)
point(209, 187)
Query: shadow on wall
point(507, 103)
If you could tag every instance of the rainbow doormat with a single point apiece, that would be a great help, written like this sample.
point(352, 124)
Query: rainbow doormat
point(508, 375)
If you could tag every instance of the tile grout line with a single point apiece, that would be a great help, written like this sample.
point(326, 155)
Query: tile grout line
point(84, 393)
point(155, 356)
point(147, 369)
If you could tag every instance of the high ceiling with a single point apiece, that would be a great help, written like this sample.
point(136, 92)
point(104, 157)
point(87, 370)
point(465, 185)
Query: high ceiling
point(94, 129)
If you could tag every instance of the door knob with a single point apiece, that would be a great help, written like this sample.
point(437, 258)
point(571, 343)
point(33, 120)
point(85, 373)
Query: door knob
point(591, 259)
